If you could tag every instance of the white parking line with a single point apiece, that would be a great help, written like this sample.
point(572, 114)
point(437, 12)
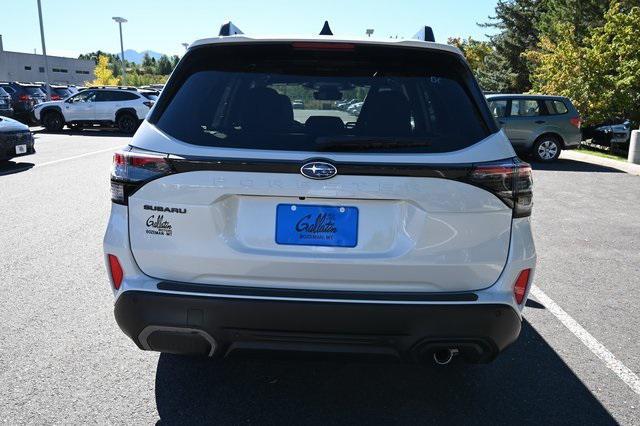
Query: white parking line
point(621, 370)
point(75, 156)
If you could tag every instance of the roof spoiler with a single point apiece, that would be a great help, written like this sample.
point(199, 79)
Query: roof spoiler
point(229, 29)
point(425, 34)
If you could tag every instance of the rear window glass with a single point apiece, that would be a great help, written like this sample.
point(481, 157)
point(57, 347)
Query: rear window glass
point(556, 107)
point(62, 92)
point(33, 90)
point(525, 108)
point(311, 97)
point(150, 96)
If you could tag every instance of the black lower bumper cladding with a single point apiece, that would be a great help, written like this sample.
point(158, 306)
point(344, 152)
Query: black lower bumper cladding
point(224, 325)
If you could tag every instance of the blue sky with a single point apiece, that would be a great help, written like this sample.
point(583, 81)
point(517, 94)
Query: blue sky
point(77, 26)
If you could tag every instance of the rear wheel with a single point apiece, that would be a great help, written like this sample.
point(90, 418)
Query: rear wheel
point(53, 121)
point(547, 148)
point(127, 123)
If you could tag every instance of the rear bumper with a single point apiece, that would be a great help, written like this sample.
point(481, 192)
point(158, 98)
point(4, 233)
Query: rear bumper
point(190, 324)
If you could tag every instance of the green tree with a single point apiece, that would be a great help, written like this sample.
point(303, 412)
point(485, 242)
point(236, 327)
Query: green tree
point(104, 75)
point(582, 15)
point(517, 21)
point(174, 61)
point(601, 74)
point(164, 66)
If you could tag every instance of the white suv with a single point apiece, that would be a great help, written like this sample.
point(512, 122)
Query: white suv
point(123, 107)
point(239, 223)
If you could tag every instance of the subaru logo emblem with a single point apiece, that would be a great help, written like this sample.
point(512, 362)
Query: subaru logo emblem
point(318, 170)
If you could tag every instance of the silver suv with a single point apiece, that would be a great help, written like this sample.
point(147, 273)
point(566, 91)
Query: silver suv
point(539, 125)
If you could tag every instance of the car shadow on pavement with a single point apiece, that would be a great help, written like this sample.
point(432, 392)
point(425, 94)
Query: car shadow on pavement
point(529, 383)
point(11, 167)
point(564, 165)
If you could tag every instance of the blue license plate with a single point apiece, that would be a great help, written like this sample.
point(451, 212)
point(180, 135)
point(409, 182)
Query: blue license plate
point(307, 225)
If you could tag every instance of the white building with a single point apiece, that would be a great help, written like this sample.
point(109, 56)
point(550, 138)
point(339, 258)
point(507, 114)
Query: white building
point(16, 66)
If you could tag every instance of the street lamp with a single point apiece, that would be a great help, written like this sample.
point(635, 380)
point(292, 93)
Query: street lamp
point(121, 21)
point(44, 54)
point(369, 31)
point(185, 45)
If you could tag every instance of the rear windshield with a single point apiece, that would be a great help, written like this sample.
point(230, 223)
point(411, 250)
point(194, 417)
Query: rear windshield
point(149, 95)
point(33, 90)
point(62, 92)
point(323, 97)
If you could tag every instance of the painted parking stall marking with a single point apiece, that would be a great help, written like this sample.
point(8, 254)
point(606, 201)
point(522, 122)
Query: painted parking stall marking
point(621, 370)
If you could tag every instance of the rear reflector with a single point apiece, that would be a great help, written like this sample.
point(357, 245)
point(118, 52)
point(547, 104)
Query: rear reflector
point(520, 287)
point(116, 271)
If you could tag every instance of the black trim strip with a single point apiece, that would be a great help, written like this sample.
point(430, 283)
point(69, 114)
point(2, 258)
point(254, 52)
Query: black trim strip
point(317, 294)
point(444, 171)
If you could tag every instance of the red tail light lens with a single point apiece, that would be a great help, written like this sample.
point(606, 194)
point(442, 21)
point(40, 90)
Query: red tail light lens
point(510, 180)
point(520, 286)
point(116, 271)
point(131, 170)
point(576, 121)
point(55, 97)
point(24, 98)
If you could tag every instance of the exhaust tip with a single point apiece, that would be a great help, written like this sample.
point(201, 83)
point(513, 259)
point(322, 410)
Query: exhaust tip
point(444, 356)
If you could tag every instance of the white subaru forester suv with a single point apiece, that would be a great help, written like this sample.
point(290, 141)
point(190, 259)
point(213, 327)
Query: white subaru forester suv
point(240, 223)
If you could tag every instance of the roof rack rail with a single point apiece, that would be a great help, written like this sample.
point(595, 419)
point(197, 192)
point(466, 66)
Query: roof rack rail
point(425, 34)
point(229, 29)
point(326, 29)
point(114, 87)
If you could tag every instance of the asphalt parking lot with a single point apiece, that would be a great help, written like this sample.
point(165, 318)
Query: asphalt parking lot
point(64, 360)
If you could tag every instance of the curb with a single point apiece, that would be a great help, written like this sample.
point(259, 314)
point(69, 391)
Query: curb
point(630, 168)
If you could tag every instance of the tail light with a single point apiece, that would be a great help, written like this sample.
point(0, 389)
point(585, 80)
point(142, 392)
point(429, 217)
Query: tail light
point(55, 97)
point(24, 98)
point(520, 286)
point(576, 121)
point(131, 170)
point(148, 103)
point(510, 180)
point(115, 270)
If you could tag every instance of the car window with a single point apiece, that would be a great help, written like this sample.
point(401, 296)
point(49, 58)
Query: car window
point(125, 96)
point(150, 95)
point(3, 92)
point(555, 107)
point(498, 108)
point(525, 108)
point(34, 91)
point(9, 89)
point(420, 100)
point(85, 96)
point(105, 96)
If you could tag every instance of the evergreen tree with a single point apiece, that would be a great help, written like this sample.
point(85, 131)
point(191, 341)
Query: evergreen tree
point(517, 20)
point(164, 65)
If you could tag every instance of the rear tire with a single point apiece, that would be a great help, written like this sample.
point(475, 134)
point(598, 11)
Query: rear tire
point(547, 149)
point(127, 123)
point(53, 121)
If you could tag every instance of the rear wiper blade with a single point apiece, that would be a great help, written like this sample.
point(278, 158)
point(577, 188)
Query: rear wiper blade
point(368, 143)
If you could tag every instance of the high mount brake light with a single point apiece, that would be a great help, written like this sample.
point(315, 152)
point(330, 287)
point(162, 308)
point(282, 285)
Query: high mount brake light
point(131, 170)
point(510, 180)
point(312, 45)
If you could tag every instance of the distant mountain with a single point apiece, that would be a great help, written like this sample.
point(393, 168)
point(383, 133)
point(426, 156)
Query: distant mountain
point(135, 56)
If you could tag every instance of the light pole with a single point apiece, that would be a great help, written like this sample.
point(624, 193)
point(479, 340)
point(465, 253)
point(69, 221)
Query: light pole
point(369, 31)
point(185, 45)
point(120, 21)
point(44, 54)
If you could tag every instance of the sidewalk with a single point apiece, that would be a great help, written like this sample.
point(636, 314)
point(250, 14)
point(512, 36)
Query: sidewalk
point(633, 169)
